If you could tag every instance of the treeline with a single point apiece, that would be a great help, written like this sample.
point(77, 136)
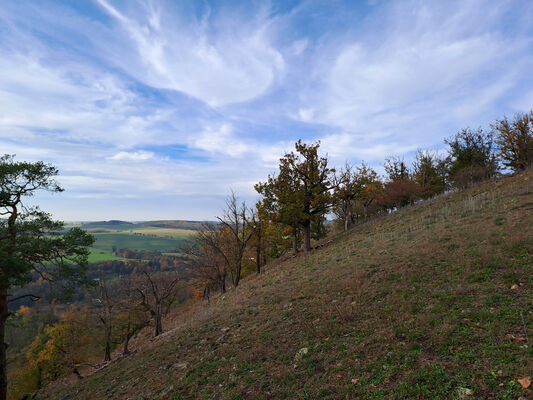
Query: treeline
point(295, 202)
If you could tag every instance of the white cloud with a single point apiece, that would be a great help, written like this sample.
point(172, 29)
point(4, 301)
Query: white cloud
point(412, 71)
point(236, 65)
point(220, 140)
point(132, 156)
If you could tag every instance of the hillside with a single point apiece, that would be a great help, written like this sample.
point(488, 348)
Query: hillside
point(434, 301)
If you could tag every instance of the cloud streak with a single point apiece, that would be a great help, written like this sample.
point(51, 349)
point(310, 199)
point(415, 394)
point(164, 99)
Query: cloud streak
point(169, 102)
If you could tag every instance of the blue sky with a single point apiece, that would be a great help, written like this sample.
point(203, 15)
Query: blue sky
point(156, 110)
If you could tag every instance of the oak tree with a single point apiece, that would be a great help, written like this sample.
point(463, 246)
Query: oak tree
point(302, 189)
point(515, 141)
point(471, 157)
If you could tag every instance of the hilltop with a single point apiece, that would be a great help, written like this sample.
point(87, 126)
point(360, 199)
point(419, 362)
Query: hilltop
point(433, 301)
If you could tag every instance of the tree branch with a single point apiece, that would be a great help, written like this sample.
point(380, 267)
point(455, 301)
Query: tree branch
point(32, 296)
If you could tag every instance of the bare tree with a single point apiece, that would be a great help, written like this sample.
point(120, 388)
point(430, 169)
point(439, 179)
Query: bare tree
point(256, 225)
point(234, 222)
point(157, 294)
point(104, 311)
point(209, 256)
point(130, 315)
point(344, 196)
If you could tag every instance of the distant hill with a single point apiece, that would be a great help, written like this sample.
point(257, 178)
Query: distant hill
point(112, 222)
point(434, 301)
point(177, 224)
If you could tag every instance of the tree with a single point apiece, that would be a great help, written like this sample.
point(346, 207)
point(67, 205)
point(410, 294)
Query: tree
point(400, 190)
point(344, 197)
point(234, 223)
point(302, 190)
point(515, 141)
point(429, 172)
point(396, 169)
point(207, 256)
point(400, 193)
point(157, 292)
point(257, 224)
point(105, 306)
point(129, 315)
point(367, 187)
point(31, 242)
point(64, 347)
point(281, 200)
point(357, 188)
point(471, 157)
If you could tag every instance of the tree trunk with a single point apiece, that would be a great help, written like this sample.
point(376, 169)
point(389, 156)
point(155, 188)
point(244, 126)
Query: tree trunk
point(125, 350)
point(347, 219)
point(258, 258)
point(238, 274)
point(107, 356)
point(223, 282)
point(307, 235)
point(295, 241)
point(3, 346)
point(157, 322)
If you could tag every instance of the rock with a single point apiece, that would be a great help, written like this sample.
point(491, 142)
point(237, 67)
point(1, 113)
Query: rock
point(166, 391)
point(300, 354)
point(464, 392)
point(180, 365)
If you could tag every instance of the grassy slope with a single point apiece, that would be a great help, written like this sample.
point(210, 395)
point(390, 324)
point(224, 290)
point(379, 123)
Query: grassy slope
point(420, 304)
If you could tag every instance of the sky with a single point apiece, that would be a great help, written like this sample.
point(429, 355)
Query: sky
point(158, 109)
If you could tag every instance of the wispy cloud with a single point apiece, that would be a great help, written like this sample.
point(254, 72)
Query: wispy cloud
point(233, 64)
point(177, 102)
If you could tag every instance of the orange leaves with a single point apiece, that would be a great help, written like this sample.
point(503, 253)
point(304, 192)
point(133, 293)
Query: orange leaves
point(24, 310)
point(524, 382)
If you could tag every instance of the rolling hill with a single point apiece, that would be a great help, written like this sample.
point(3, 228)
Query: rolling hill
point(434, 301)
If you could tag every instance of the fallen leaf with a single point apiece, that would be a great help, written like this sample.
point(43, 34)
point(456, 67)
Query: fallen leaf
point(355, 380)
point(518, 338)
point(525, 382)
point(338, 376)
point(514, 287)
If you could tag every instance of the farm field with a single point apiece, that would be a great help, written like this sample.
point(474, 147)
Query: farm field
point(167, 237)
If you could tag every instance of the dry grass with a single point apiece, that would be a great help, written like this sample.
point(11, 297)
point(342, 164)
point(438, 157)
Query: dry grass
point(430, 302)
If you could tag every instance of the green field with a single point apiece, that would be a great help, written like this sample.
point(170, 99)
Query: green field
point(162, 232)
point(123, 240)
point(101, 255)
point(135, 236)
